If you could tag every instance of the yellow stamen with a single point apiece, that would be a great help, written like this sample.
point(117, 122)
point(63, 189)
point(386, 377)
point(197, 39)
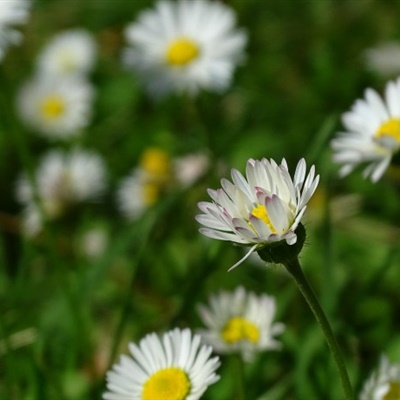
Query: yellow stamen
point(261, 212)
point(394, 392)
point(52, 106)
point(167, 384)
point(389, 128)
point(181, 52)
point(238, 329)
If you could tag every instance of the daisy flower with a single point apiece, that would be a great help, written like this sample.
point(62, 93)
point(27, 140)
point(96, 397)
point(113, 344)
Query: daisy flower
point(241, 322)
point(373, 133)
point(145, 184)
point(184, 46)
point(384, 59)
point(56, 108)
point(63, 179)
point(172, 367)
point(12, 12)
point(384, 382)
point(71, 52)
point(189, 168)
point(263, 208)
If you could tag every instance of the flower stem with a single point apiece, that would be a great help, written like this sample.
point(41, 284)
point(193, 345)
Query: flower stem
point(294, 268)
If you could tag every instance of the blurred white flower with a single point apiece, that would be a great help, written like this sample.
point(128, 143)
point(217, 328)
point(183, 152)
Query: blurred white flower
point(384, 59)
point(62, 180)
point(262, 208)
point(188, 169)
point(184, 46)
point(56, 108)
point(384, 382)
point(12, 12)
point(92, 242)
point(31, 220)
point(71, 52)
point(175, 366)
point(142, 188)
point(240, 322)
point(373, 133)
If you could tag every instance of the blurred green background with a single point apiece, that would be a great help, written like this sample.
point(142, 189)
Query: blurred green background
point(64, 318)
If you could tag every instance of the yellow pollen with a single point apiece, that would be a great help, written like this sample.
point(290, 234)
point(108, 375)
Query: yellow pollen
point(167, 384)
point(52, 106)
point(260, 212)
point(389, 128)
point(181, 52)
point(394, 391)
point(238, 329)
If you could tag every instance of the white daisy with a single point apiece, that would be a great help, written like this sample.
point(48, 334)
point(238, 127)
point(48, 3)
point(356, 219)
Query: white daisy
point(263, 208)
point(31, 220)
point(184, 46)
point(56, 108)
point(384, 59)
point(92, 242)
point(373, 133)
point(241, 322)
point(71, 52)
point(12, 12)
point(173, 367)
point(189, 168)
point(384, 383)
point(145, 184)
point(64, 179)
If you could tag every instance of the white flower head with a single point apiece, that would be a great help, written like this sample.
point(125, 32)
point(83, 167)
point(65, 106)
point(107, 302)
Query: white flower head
point(384, 382)
point(92, 242)
point(175, 366)
point(12, 12)
point(56, 108)
point(384, 59)
point(184, 46)
point(373, 133)
point(263, 208)
point(64, 179)
point(191, 167)
point(71, 52)
point(31, 220)
point(240, 322)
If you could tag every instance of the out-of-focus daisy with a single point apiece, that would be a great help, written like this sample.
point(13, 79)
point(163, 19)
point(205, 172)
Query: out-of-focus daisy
point(172, 367)
point(12, 12)
point(92, 242)
point(71, 52)
point(384, 59)
point(31, 220)
point(188, 169)
point(56, 108)
point(373, 133)
point(63, 179)
point(241, 322)
point(143, 187)
point(184, 46)
point(263, 208)
point(384, 382)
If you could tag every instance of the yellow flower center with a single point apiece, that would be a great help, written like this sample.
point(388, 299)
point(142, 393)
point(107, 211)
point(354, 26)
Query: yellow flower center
point(394, 392)
point(389, 128)
point(181, 52)
point(167, 384)
point(238, 329)
point(261, 212)
point(52, 106)
point(156, 164)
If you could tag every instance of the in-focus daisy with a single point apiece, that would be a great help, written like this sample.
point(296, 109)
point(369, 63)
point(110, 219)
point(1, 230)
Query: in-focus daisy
point(56, 108)
point(241, 322)
point(263, 208)
point(384, 382)
point(143, 187)
point(384, 59)
point(71, 52)
point(12, 12)
point(64, 179)
point(373, 133)
point(172, 367)
point(184, 46)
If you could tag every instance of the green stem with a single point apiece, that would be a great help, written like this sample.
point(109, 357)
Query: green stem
point(239, 387)
point(294, 268)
